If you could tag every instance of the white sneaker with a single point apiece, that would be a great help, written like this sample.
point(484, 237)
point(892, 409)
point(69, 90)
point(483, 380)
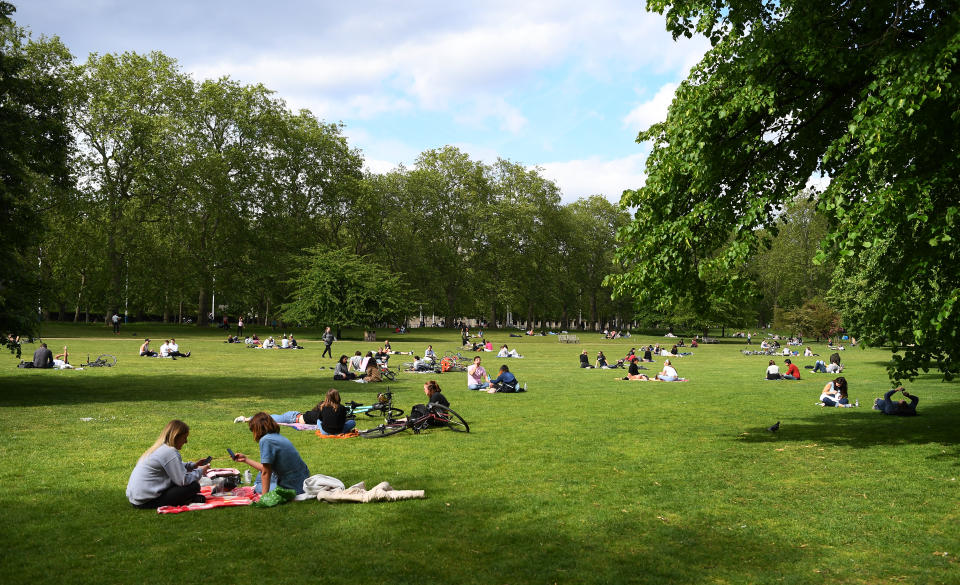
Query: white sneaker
point(240, 419)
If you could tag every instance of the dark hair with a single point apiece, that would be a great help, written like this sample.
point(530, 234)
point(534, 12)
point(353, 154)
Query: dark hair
point(840, 385)
point(262, 424)
point(504, 368)
point(787, 361)
point(358, 352)
point(433, 387)
point(342, 358)
point(773, 363)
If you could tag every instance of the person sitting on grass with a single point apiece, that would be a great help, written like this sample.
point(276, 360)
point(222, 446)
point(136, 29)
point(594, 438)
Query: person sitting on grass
point(773, 371)
point(43, 357)
point(648, 355)
point(356, 363)
point(504, 382)
point(372, 372)
point(145, 350)
point(602, 362)
point(793, 372)
point(668, 373)
point(270, 343)
point(421, 365)
point(477, 378)
point(434, 395)
point(333, 415)
point(429, 354)
point(161, 478)
point(506, 352)
point(633, 372)
point(175, 349)
point(899, 408)
point(342, 370)
point(585, 360)
point(835, 393)
point(280, 464)
point(693, 343)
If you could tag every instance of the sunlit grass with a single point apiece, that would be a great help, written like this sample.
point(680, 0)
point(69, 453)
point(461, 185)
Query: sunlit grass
point(584, 479)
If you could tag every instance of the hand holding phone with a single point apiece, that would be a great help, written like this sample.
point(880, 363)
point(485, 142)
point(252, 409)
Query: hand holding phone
point(205, 461)
point(232, 456)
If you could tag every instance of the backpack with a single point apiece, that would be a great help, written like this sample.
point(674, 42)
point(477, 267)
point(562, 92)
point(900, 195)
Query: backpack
point(25, 365)
point(446, 364)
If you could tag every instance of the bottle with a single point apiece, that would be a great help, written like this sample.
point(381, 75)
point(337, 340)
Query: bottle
point(857, 402)
point(247, 477)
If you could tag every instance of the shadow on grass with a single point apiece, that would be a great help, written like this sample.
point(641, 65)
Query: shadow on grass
point(39, 389)
point(865, 427)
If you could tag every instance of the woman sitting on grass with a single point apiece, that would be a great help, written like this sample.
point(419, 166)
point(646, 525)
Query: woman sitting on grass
point(585, 360)
point(835, 394)
point(648, 354)
point(333, 415)
point(633, 372)
point(161, 478)
point(773, 371)
point(504, 382)
point(668, 373)
point(342, 370)
point(280, 464)
point(434, 395)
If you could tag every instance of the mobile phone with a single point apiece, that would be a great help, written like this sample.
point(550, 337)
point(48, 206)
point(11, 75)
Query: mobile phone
point(232, 456)
point(205, 461)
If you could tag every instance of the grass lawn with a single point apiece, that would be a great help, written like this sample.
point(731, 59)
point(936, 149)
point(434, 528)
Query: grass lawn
point(583, 479)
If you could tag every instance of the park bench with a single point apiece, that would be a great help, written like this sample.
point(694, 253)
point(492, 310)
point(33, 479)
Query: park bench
point(568, 338)
point(708, 340)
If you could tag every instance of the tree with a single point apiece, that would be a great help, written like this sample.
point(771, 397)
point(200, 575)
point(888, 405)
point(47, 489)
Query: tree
point(34, 142)
point(337, 288)
point(814, 319)
point(863, 93)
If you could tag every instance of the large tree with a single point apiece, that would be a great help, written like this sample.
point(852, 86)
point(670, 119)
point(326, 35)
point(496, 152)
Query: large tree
point(862, 93)
point(34, 142)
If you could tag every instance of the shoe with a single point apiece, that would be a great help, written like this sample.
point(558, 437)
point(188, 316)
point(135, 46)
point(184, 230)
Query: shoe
point(188, 354)
point(240, 419)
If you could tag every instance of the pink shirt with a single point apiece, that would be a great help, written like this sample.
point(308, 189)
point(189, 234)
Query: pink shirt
point(476, 374)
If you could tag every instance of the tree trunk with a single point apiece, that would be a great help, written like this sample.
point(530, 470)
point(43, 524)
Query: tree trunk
point(593, 310)
point(202, 307)
point(83, 280)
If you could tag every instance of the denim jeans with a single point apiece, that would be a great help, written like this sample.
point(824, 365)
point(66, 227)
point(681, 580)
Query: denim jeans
point(347, 427)
point(480, 386)
point(820, 367)
point(667, 378)
point(288, 417)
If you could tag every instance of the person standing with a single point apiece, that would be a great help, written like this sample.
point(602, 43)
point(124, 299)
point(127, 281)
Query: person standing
point(240, 327)
point(327, 343)
point(116, 324)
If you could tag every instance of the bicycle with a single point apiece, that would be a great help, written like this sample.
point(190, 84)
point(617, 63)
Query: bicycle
point(384, 407)
point(104, 360)
point(436, 415)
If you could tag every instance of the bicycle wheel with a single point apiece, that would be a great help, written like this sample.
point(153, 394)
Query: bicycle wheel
point(453, 420)
point(390, 375)
point(107, 360)
point(384, 430)
point(384, 412)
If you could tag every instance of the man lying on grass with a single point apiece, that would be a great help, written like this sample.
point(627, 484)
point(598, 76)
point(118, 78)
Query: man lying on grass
point(900, 408)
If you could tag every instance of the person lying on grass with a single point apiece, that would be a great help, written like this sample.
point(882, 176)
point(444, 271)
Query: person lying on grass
point(161, 478)
point(477, 378)
point(434, 395)
point(835, 393)
point(504, 382)
point(899, 408)
point(325, 415)
point(280, 464)
point(506, 352)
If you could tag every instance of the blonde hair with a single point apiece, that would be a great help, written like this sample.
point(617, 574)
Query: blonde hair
point(173, 431)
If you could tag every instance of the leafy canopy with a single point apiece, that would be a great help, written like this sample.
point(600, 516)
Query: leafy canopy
point(862, 93)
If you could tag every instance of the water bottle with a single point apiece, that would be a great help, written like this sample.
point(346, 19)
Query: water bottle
point(857, 402)
point(247, 477)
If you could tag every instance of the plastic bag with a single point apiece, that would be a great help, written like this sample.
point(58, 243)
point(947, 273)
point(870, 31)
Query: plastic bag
point(275, 497)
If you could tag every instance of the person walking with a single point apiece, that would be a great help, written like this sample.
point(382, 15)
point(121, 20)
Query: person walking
point(116, 324)
point(327, 343)
point(240, 327)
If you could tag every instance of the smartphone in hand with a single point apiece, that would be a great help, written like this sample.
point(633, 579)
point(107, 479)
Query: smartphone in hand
point(232, 456)
point(205, 461)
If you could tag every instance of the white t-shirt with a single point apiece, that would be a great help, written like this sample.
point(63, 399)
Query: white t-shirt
point(669, 371)
point(774, 369)
point(174, 348)
point(285, 344)
point(165, 350)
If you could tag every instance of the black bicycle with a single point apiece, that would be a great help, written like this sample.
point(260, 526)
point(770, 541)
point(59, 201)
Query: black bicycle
point(435, 415)
point(104, 360)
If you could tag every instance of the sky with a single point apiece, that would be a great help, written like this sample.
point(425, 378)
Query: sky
point(561, 85)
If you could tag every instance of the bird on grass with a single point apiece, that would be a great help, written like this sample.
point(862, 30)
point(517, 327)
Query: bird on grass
point(774, 428)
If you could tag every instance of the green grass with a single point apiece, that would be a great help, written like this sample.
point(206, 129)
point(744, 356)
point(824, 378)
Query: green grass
point(583, 479)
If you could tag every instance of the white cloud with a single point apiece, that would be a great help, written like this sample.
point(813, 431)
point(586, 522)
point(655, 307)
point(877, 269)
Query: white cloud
point(597, 176)
point(651, 111)
point(509, 118)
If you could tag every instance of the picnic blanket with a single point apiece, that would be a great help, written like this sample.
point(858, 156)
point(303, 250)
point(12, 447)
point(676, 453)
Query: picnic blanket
point(242, 496)
point(299, 426)
point(350, 435)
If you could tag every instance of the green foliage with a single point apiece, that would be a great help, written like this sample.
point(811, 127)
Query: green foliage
point(860, 92)
point(337, 288)
point(34, 142)
point(814, 319)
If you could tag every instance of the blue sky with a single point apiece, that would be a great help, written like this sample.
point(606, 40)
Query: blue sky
point(560, 85)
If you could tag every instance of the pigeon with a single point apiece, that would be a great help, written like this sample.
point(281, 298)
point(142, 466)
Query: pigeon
point(774, 428)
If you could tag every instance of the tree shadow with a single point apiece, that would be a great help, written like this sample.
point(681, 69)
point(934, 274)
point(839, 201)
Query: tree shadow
point(864, 427)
